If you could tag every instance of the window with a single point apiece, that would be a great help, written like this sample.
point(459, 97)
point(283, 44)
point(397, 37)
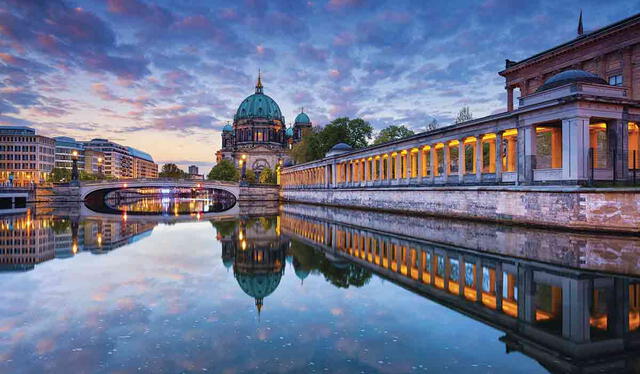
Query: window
point(615, 80)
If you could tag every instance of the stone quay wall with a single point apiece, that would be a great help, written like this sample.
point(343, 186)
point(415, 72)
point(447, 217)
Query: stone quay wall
point(614, 209)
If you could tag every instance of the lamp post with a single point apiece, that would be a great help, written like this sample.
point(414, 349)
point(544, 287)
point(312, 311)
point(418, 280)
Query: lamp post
point(243, 166)
point(100, 167)
point(74, 169)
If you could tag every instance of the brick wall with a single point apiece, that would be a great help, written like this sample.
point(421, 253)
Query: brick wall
point(608, 210)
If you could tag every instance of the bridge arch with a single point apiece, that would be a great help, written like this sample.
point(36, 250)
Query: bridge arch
point(103, 187)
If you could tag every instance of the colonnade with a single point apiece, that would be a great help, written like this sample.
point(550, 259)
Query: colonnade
point(577, 149)
point(314, 176)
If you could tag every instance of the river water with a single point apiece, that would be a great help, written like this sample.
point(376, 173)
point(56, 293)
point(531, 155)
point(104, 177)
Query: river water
point(296, 288)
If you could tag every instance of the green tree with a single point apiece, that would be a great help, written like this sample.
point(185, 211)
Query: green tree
point(171, 171)
point(59, 175)
point(464, 115)
point(318, 141)
point(267, 176)
point(392, 132)
point(251, 176)
point(224, 171)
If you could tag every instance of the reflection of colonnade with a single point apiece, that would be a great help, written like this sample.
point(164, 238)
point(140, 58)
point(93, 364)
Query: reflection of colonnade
point(592, 318)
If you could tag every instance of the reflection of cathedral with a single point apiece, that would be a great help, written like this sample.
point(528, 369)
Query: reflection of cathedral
point(259, 133)
point(257, 253)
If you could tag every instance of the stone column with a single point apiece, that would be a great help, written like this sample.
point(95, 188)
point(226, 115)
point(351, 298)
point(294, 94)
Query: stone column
point(447, 162)
point(389, 164)
point(478, 280)
point(334, 174)
point(420, 164)
point(575, 150)
point(478, 155)
point(498, 156)
point(461, 161)
point(398, 166)
point(618, 131)
point(509, 99)
point(528, 146)
point(432, 165)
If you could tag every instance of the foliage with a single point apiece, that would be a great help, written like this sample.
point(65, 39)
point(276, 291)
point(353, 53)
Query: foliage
point(392, 132)
point(59, 175)
point(224, 228)
point(316, 142)
point(432, 125)
point(250, 176)
point(309, 148)
point(224, 171)
point(171, 171)
point(267, 176)
point(311, 260)
point(464, 115)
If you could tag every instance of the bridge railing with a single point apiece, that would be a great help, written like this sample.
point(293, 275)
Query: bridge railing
point(157, 180)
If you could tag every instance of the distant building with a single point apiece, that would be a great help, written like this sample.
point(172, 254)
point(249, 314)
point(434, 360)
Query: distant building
point(89, 161)
point(24, 156)
point(118, 161)
point(610, 52)
point(143, 164)
point(194, 173)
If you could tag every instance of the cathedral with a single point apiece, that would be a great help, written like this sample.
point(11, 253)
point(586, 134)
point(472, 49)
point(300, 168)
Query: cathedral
point(259, 134)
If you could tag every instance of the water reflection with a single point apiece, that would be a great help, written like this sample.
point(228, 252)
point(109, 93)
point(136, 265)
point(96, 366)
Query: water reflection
point(300, 287)
point(162, 201)
point(591, 318)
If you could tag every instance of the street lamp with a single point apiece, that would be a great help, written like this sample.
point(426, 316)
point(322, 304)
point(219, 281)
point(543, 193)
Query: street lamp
point(100, 167)
point(243, 165)
point(74, 170)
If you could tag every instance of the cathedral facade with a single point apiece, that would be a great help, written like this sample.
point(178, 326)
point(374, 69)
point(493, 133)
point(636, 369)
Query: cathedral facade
point(259, 135)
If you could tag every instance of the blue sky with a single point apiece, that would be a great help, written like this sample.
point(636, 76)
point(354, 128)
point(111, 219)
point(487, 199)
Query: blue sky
point(165, 76)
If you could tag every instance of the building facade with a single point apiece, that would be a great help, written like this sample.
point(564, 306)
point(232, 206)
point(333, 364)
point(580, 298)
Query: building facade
point(118, 162)
point(143, 164)
point(259, 135)
point(612, 53)
point(89, 161)
point(25, 157)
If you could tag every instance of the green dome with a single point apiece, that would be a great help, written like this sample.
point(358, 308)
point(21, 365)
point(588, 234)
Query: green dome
point(259, 286)
point(289, 132)
point(302, 118)
point(227, 128)
point(259, 105)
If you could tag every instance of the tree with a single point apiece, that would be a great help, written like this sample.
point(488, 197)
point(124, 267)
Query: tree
point(250, 176)
point(267, 176)
point(171, 171)
point(432, 125)
point(464, 115)
point(224, 171)
point(392, 132)
point(318, 141)
point(58, 175)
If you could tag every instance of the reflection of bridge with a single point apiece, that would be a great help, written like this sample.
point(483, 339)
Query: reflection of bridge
point(568, 319)
point(89, 187)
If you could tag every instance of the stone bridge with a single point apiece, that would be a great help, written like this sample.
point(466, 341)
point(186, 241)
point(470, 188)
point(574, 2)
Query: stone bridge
point(89, 187)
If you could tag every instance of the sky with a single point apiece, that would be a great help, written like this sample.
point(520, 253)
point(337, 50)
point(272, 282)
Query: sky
point(165, 76)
